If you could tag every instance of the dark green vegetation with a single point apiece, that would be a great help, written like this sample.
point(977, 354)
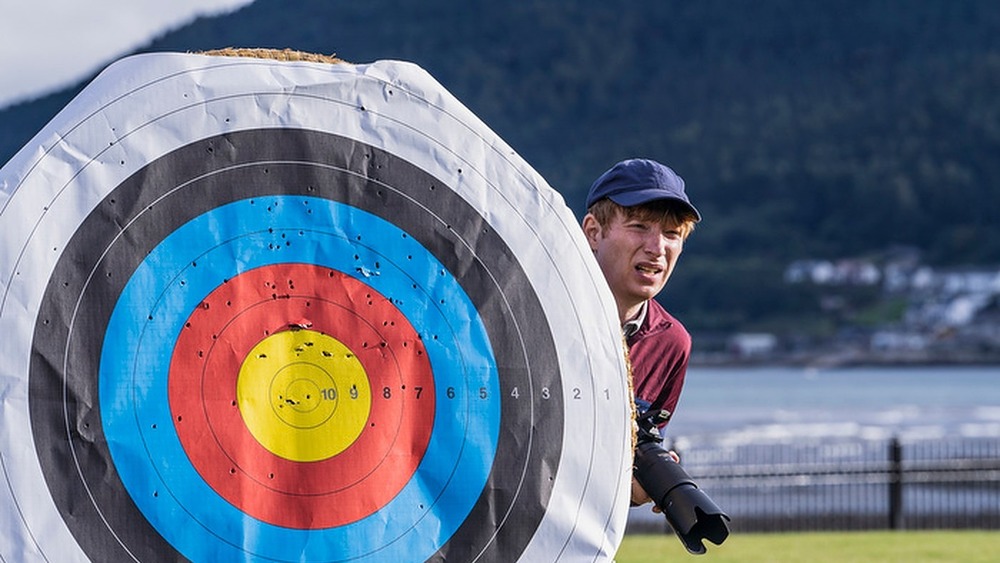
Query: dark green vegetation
point(804, 130)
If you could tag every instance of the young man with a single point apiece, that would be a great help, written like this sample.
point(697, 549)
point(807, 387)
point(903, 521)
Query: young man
point(638, 217)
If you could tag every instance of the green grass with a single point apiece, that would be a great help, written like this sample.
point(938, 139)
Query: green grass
point(819, 547)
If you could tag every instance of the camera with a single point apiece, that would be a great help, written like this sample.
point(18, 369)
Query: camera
point(692, 515)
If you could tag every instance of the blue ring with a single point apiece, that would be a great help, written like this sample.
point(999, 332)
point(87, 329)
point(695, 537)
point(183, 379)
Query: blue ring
point(174, 279)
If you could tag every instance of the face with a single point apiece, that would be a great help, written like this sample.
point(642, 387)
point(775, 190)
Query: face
point(637, 257)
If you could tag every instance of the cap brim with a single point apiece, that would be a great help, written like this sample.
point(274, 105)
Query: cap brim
point(640, 197)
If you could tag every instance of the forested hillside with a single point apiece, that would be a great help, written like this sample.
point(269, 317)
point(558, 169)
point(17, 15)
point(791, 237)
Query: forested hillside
point(821, 129)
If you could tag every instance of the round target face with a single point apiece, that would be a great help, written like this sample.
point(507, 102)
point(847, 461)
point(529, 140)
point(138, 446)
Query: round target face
point(293, 344)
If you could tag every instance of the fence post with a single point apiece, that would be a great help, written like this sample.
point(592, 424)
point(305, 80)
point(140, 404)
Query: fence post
point(895, 484)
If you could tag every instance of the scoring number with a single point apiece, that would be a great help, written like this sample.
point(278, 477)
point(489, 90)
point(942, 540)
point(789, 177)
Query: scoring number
point(483, 393)
point(450, 392)
point(418, 392)
point(546, 394)
point(330, 394)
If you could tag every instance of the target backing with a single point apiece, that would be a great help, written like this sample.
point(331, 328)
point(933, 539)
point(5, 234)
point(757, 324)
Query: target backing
point(291, 311)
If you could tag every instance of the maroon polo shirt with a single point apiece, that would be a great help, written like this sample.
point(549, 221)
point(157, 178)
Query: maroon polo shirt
point(659, 353)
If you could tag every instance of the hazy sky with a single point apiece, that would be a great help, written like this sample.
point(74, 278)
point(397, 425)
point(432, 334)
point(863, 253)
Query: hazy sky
point(46, 45)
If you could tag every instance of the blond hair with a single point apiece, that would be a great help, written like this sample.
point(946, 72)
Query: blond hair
point(664, 212)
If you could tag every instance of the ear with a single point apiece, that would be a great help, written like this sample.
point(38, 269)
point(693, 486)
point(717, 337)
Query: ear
point(591, 229)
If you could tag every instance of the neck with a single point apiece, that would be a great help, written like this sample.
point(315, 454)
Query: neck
point(629, 312)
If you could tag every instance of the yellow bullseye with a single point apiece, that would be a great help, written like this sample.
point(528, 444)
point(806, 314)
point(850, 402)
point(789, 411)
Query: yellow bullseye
point(303, 395)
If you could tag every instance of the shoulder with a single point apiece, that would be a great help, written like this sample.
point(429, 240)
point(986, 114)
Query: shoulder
point(660, 321)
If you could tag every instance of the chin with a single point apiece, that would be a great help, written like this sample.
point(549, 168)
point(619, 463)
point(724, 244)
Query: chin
point(646, 295)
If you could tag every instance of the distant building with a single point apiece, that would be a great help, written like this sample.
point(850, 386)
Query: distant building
point(752, 344)
point(826, 272)
point(886, 340)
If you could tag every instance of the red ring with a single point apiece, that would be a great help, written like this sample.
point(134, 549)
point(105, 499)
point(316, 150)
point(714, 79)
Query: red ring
point(202, 391)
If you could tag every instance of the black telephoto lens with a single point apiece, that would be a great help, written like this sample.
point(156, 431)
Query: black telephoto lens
point(693, 516)
point(690, 512)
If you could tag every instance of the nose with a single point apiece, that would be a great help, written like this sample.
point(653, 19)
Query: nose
point(656, 244)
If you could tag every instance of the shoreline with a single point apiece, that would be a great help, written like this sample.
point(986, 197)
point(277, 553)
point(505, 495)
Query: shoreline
point(822, 360)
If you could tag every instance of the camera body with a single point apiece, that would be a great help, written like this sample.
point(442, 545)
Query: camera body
point(690, 512)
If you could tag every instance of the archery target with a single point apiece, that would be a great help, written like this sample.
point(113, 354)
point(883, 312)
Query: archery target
point(297, 312)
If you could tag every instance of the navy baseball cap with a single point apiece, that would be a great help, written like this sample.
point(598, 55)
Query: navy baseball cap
point(637, 181)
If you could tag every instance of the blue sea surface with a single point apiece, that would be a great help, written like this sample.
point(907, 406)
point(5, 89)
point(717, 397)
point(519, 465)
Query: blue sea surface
point(768, 405)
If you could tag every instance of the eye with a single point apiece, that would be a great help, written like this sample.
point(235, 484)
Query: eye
point(673, 238)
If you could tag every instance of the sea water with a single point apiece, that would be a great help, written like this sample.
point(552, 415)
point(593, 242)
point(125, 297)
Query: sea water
point(772, 405)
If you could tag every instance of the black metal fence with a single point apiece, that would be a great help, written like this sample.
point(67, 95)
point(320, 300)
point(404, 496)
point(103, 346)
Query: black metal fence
point(865, 485)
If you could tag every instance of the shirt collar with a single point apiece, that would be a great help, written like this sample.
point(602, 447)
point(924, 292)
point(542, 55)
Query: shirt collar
point(632, 325)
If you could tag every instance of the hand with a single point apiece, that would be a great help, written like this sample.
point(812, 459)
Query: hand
point(640, 496)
